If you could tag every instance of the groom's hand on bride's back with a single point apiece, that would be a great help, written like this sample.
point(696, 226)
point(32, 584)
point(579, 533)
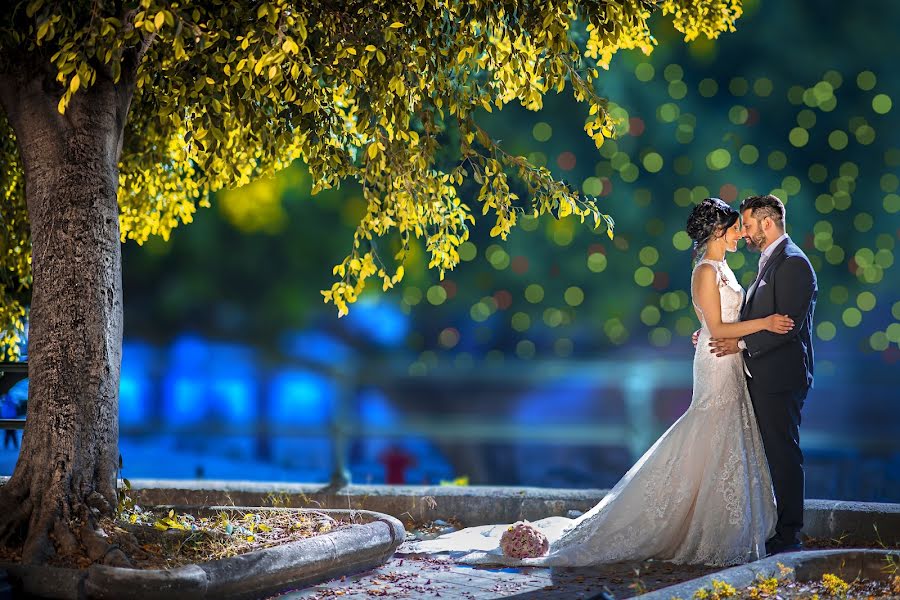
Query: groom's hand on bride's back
point(724, 346)
point(695, 337)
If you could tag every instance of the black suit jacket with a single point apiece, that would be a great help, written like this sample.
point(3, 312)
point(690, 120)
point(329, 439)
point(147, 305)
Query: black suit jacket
point(780, 362)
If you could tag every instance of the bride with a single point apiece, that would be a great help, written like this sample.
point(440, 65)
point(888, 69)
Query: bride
point(702, 494)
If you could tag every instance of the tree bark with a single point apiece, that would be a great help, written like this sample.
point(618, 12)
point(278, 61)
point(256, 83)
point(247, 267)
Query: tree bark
point(65, 477)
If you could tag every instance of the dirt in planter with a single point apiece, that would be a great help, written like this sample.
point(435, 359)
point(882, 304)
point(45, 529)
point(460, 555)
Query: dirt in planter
point(155, 539)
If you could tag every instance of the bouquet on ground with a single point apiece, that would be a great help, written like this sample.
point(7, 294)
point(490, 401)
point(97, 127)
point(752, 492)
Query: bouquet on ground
point(523, 540)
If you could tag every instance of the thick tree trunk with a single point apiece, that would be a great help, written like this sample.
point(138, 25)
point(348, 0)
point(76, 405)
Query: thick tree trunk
point(65, 477)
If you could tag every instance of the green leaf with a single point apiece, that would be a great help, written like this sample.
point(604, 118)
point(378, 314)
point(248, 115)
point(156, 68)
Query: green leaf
point(33, 7)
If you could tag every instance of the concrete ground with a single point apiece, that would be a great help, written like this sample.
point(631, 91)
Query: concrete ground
point(411, 577)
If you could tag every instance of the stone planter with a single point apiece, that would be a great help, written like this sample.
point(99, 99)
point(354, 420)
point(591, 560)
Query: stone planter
point(368, 543)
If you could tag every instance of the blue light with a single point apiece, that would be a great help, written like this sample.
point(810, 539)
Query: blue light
point(135, 383)
point(300, 398)
point(186, 402)
point(315, 346)
point(234, 399)
point(374, 408)
point(378, 320)
point(210, 381)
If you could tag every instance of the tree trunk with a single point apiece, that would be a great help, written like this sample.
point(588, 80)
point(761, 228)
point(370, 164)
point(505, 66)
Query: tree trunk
point(65, 478)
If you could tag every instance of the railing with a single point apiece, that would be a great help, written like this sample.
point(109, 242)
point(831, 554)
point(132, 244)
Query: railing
point(638, 381)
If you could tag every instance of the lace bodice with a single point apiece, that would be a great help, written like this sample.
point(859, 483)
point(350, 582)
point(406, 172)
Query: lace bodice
point(731, 294)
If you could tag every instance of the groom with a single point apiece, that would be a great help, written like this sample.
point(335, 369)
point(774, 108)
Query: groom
point(779, 367)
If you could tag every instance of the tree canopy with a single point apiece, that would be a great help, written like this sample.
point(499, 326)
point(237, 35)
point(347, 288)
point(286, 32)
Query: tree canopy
point(382, 92)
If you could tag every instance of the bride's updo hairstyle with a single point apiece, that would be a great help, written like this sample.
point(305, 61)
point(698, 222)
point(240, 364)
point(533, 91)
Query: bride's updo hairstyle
point(709, 220)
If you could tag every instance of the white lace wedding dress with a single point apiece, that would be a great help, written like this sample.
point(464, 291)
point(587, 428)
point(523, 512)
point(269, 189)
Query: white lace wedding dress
point(702, 494)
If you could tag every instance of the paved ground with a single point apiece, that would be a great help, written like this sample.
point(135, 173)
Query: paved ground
point(409, 577)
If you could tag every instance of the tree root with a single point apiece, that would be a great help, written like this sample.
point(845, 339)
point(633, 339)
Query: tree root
point(56, 528)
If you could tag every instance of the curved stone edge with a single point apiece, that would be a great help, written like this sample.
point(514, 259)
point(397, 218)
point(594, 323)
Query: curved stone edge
point(482, 505)
point(807, 565)
point(262, 572)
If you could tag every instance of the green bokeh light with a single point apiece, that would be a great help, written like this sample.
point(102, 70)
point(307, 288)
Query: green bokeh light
point(826, 330)
point(798, 137)
point(777, 160)
point(534, 293)
point(525, 349)
point(748, 154)
point(837, 139)
point(891, 203)
point(596, 262)
point(660, 336)
point(673, 72)
point(738, 114)
point(467, 251)
point(879, 341)
point(542, 132)
point(653, 162)
point(649, 256)
point(650, 315)
point(643, 276)
point(818, 173)
point(806, 119)
point(738, 86)
point(866, 301)
point(644, 71)
point(718, 159)
point(520, 321)
point(436, 295)
point(851, 317)
point(574, 296)
point(677, 90)
point(763, 87)
point(681, 240)
point(708, 87)
point(882, 104)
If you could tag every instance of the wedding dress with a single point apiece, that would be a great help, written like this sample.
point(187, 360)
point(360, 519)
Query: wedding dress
point(702, 494)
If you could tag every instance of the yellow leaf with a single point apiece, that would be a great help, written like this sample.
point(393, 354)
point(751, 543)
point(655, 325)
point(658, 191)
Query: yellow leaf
point(42, 31)
point(159, 20)
point(373, 150)
point(75, 83)
point(61, 107)
point(396, 25)
point(370, 48)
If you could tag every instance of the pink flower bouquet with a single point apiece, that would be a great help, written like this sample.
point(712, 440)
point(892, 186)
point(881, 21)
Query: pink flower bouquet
point(523, 540)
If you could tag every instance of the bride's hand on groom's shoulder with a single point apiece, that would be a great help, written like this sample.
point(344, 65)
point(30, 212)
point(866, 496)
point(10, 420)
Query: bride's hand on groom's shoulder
point(724, 346)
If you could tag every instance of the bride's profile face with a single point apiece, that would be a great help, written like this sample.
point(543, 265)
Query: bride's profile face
point(732, 235)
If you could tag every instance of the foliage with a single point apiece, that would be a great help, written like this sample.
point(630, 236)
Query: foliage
point(227, 93)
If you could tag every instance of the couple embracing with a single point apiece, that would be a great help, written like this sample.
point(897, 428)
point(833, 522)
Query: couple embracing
point(724, 485)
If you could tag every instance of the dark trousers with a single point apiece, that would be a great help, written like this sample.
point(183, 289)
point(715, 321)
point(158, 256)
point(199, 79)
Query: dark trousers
point(10, 435)
point(778, 416)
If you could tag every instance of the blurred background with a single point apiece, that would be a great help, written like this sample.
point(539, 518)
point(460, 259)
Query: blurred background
point(558, 357)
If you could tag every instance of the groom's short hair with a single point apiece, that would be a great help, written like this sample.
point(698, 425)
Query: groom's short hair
point(765, 206)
